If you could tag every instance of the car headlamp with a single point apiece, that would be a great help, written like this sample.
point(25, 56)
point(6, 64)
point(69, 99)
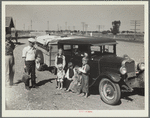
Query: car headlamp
point(123, 70)
point(141, 66)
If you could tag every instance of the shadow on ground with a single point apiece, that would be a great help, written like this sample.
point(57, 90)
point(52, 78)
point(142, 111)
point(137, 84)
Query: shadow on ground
point(40, 83)
point(137, 91)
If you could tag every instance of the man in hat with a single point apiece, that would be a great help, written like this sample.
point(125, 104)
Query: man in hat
point(29, 55)
point(9, 60)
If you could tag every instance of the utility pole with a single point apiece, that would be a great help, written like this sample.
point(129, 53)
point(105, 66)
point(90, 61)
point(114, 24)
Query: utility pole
point(86, 26)
point(24, 26)
point(83, 24)
point(48, 25)
point(31, 24)
point(58, 26)
point(73, 28)
point(135, 23)
point(66, 25)
point(99, 26)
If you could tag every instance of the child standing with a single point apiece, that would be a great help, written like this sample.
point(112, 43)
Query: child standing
point(60, 76)
point(59, 59)
point(85, 77)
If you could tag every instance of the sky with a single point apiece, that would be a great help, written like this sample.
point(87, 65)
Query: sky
point(74, 15)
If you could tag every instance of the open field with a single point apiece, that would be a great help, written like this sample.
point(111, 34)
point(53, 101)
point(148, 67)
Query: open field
point(48, 98)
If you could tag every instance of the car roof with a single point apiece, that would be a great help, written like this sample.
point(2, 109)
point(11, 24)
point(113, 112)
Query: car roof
point(88, 40)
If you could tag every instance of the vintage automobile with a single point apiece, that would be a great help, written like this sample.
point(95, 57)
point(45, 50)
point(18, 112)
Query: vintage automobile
point(110, 74)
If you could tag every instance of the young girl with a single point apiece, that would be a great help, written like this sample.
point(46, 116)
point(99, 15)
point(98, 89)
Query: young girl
point(59, 59)
point(60, 76)
point(85, 77)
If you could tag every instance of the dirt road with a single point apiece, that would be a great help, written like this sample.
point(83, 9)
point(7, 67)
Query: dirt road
point(49, 98)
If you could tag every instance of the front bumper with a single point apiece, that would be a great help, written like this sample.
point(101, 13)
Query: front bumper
point(136, 82)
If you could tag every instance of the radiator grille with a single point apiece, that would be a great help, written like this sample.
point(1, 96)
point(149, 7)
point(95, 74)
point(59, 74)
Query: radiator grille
point(130, 66)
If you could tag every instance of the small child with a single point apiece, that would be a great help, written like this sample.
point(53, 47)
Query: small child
point(76, 80)
point(60, 76)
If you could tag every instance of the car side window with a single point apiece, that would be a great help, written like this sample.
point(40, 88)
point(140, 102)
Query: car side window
point(95, 50)
point(109, 48)
point(67, 49)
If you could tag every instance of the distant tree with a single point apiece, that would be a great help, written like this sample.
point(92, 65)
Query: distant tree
point(108, 31)
point(104, 32)
point(115, 29)
point(123, 32)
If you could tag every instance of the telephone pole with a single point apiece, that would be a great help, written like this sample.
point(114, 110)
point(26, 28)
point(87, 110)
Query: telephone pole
point(73, 28)
point(58, 26)
point(66, 25)
point(99, 26)
point(83, 24)
point(86, 26)
point(31, 24)
point(24, 26)
point(135, 23)
point(48, 25)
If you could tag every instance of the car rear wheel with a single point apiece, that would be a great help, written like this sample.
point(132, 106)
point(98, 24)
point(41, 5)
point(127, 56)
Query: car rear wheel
point(109, 91)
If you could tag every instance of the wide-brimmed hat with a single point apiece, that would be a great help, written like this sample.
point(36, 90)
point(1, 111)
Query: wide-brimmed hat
point(32, 40)
point(70, 64)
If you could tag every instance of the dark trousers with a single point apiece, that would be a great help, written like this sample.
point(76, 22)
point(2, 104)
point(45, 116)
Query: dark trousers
point(30, 66)
point(10, 69)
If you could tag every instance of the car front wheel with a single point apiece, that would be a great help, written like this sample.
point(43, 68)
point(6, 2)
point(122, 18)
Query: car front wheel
point(109, 91)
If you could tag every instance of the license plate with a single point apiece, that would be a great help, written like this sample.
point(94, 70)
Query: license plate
point(132, 74)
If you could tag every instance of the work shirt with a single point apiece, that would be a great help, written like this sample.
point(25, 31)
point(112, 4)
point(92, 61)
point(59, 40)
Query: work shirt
point(60, 59)
point(29, 53)
point(9, 47)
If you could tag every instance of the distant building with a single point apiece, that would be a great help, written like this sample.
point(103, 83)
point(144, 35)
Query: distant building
point(9, 24)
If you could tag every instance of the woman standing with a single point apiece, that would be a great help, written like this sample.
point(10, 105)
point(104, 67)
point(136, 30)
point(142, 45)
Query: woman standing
point(59, 59)
point(85, 77)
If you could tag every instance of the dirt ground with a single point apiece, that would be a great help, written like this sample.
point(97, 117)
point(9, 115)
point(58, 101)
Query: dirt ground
point(47, 97)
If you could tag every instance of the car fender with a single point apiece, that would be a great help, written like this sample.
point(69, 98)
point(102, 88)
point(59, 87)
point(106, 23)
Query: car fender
point(112, 76)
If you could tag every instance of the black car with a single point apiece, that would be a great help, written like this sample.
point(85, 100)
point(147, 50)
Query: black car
point(108, 72)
